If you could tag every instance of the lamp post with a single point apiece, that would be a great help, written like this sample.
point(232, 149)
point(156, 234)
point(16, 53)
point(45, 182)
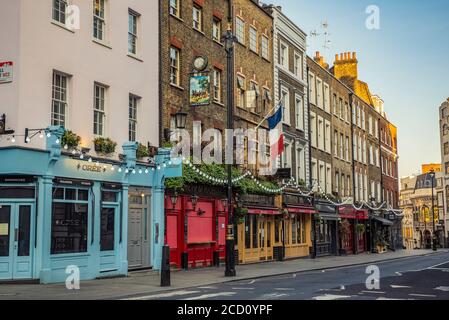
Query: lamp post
point(434, 238)
point(229, 47)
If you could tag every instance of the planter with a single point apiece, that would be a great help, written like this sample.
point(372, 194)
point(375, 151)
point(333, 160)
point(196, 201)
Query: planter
point(381, 249)
point(104, 145)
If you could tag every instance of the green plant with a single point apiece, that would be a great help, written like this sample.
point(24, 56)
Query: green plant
point(345, 227)
point(167, 145)
point(142, 151)
point(104, 145)
point(361, 228)
point(70, 139)
point(240, 214)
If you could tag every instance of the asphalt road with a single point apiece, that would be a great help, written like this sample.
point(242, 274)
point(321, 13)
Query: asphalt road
point(414, 278)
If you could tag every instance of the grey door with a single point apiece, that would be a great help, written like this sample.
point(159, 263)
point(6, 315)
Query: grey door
point(135, 238)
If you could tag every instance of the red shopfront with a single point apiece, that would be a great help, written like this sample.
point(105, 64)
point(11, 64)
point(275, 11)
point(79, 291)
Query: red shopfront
point(353, 230)
point(196, 234)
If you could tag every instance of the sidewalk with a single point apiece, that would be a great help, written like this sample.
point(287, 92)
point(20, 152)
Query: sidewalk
point(148, 282)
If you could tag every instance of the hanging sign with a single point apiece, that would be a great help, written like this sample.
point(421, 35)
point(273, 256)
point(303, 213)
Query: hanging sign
point(6, 72)
point(200, 89)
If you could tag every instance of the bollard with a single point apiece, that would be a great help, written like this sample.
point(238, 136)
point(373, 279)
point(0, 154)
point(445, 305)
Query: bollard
point(165, 267)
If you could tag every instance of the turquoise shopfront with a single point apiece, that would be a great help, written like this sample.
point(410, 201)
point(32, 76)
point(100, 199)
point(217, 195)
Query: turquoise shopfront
point(60, 212)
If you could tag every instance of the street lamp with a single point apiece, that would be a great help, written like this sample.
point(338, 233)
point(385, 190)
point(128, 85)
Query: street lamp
point(434, 238)
point(174, 199)
point(180, 123)
point(229, 40)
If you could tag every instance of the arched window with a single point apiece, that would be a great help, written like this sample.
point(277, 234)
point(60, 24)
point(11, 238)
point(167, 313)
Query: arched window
point(445, 130)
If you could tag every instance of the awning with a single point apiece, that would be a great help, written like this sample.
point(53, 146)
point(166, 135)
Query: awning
point(351, 213)
point(301, 210)
point(328, 216)
point(269, 212)
point(385, 222)
point(324, 208)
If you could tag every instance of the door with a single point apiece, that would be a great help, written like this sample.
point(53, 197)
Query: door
point(135, 238)
point(16, 241)
point(263, 238)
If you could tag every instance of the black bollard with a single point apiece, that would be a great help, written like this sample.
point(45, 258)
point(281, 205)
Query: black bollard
point(165, 267)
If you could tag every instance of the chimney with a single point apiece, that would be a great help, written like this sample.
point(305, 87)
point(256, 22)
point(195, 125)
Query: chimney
point(346, 65)
point(320, 60)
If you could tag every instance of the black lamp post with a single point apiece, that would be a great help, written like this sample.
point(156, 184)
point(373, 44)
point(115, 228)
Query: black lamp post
point(434, 238)
point(229, 39)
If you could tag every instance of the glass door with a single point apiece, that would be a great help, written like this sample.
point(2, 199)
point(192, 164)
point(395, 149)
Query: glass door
point(16, 237)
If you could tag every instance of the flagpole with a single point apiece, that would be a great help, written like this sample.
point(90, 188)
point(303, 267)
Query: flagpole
point(269, 112)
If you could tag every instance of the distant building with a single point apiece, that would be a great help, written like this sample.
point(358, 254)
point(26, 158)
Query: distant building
point(444, 141)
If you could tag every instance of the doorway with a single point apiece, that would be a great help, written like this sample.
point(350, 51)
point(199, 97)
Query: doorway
point(139, 237)
point(16, 241)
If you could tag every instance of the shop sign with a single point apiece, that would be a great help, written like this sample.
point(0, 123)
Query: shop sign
point(6, 71)
point(91, 168)
point(200, 89)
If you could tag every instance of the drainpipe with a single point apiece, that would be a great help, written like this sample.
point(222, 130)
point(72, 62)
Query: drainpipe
point(351, 103)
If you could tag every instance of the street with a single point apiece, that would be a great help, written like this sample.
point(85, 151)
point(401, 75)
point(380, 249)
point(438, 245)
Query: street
point(414, 278)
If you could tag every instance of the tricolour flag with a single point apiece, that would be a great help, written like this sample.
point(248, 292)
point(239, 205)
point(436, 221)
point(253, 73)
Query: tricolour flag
point(276, 136)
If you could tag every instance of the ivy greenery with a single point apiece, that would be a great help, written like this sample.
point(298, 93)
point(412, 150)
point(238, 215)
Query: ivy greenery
point(104, 145)
point(142, 151)
point(244, 186)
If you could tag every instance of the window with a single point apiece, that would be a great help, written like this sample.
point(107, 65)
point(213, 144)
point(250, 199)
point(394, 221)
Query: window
point(265, 47)
point(376, 128)
point(326, 98)
point(337, 182)
point(328, 179)
point(253, 39)
point(240, 30)
point(217, 85)
point(99, 109)
point(300, 164)
point(347, 113)
point(298, 65)
point(334, 104)
point(322, 176)
point(132, 32)
point(175, 62)
point(285, 105)
point(313, 128)
point(253, 96)
point(59, 100)
point(314, 170)
point(107, 229)
point(319, 93)
point(287, 155)
point(312, 88)
point(69, 226)
point(241, 97)
point(343, 182)
point(371, 155)
point(327, 137)
point(133, 103)
point(283, 55)
point(342, 146)
point(174, 8)
point(299, 107)
point(99, 19)
point(445, 130)
point(216, 30)
point(336, 143)
point(355, 147)
point(341, 109)
point(363, 119)
point(59, 9)
point(320, 133)
point(197, 17)
point(446, 148)
point(370, 125)
point(347, 149)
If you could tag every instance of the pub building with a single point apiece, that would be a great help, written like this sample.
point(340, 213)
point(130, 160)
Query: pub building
point(196, 226)
point(325, 229)
point(354, 230)
point(58, 210)
point(259, 236)
point(297, 225)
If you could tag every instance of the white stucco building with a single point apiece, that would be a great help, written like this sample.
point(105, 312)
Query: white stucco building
point(58, 70)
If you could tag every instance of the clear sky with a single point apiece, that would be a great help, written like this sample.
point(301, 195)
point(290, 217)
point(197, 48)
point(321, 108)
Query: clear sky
point(406, 62)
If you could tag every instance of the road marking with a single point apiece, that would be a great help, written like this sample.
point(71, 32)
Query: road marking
point(399, 287)
point(330, 297)
point(208, 288)
point(164, 295)
point(284, 289)
point(294, 275)
point(445, 289)
point(387, 299)
point(272, 296)
point(422, 295)
point(398, 273)
point(212, 295)
point(242, 288)
point(440, 264)
point(376, 292)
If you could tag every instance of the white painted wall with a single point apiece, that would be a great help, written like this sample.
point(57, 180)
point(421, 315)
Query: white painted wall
point(37, 46)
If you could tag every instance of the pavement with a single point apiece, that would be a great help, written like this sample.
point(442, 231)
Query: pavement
point(139, 285)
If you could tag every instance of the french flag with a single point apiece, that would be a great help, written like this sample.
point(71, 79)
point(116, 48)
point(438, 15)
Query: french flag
point(276, 135)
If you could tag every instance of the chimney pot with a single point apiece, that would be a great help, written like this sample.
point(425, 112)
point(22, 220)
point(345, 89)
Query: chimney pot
point(342, 57)
point(354, 55)
point(317, 54)
point(337, 57)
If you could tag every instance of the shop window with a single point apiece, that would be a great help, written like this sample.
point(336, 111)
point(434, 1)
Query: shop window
point(255, 231)
point(111, 196)
point(295, 230)
point(24, 231)
point(107, 235)
point(69, 228)
point(5, 221)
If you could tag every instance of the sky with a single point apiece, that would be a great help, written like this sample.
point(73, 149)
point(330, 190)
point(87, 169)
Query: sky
point(406, 61)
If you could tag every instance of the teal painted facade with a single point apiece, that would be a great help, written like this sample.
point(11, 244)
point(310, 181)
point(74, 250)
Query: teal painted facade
point(49, 170)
